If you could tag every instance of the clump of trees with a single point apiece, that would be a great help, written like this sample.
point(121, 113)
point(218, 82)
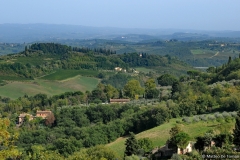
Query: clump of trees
point(166, 80)
point(140, 147)
point(236, 132)
point(7, 141)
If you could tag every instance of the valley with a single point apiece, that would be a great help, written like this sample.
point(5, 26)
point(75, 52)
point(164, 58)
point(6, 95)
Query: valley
point(153, 95)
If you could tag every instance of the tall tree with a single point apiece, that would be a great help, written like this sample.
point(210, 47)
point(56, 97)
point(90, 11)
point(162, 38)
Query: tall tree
point(7, 140)
point(236, 131)
point(166, 80)
point(150, 89)
point(133, 88)
point(131, 145)
point(174, 131)
point(181, 140)
point(145, 144)
point(229, 59)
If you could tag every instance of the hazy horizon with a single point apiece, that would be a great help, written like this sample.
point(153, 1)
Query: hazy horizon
point(202, 15)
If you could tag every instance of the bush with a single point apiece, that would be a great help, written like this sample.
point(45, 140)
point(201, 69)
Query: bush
point(196, 119)
point(211, 117)
point(186, 119)
point(225, 114)
point(202, 116)
point(218, 115)
point(233, 114)
point(228, 119)
point(215, 114)
point(177, 121)
point(220, 120)
point(205, 118)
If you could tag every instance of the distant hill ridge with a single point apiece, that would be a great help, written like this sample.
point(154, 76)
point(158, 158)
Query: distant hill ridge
point(42, 58)
point(20, 33)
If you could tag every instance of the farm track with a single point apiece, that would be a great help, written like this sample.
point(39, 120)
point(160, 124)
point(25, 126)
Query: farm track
point(214, 55)
point(44, 75)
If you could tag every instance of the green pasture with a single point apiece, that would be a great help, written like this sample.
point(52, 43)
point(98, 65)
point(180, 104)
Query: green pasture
point(64, 74)
point(34, 60)
point(15, 89)
point(12, 78)
point(202, 51)
point(160, 134)
point(143, 69)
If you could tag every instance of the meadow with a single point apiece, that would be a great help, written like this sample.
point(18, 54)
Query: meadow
point(203, 51)
point(144, 70)
point(33, 60)
point(160, 134)
point(15, 89)
point(65, 74)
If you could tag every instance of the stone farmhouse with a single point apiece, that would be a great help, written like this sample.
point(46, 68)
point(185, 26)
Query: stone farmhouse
point(118, 69)
point(188, 149)
point(165, 151)
point(42, 114)
point(22, 116)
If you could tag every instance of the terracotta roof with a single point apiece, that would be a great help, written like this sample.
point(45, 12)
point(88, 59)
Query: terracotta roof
point(42, 112)
point(119, 100)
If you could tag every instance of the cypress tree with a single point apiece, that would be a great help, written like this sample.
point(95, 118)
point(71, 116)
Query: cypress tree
point(229, 59)
point(131, 145)
point(236, 131)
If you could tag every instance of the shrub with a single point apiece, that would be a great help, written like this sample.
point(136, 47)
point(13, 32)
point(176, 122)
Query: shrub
point(218, 116)
point(196, 119)
point(220, 120)
point(225, 114)
point(202, 116)
point(215, 114)
point(233, 114)
point(211, 117)
point(186, 119)
point(205, 118)
point(177, 121)
point(228, 119)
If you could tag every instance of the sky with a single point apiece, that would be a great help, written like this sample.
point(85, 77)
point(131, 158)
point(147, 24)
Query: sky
point(151, 14)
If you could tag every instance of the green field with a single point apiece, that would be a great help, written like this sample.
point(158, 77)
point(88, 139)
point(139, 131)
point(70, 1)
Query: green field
point(13, 78)
point(145, 70)
point(64, 74)
point(160, 134)
point(202, 51)
point(33, 60)
point(15, 89)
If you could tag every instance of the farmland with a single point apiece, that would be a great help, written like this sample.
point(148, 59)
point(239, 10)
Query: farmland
point(65, 74)
point(15, 89)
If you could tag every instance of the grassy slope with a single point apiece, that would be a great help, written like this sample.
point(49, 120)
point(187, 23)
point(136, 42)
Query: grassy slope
point(160, 134)
point(64, 74)
point(16, 89)
point(143, 69)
